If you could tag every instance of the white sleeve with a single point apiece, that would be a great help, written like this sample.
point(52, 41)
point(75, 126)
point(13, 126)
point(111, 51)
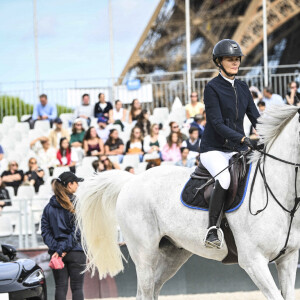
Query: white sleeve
point(147, 143)
point(184, 144)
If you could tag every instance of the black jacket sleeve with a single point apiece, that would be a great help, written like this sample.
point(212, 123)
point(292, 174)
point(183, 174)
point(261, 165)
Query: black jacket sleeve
point(47, 234)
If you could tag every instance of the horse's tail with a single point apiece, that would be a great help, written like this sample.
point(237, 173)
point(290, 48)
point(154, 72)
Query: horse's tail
point(96, 219)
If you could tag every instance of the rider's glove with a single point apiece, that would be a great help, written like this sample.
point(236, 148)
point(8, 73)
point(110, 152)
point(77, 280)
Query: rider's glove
point(248, 143)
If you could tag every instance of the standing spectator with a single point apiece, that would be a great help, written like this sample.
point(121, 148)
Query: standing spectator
point(171, 150)
point(199, 123)
point(46, 155)
point(65, 156)
point(77, 136)
point(185, 162)
point(174, 127)
point(195, 107)
point(34, 176)
point(43, 111)
point(293, 96)
point(154, 142)
point(143, 122)
point(13, 177)
point(103, 108)
point(57, 133)
point(4, 196)
point(92, 144)
point(108, 164)
point(193, 142)
point(135, 110)
point(62, 238)
point(114, 145)
point(119, 114)
point(135, 145)
point(102, 131)
point(85, 110)
point(271, 98)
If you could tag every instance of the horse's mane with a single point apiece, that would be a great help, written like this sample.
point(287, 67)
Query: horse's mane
point(272, 123)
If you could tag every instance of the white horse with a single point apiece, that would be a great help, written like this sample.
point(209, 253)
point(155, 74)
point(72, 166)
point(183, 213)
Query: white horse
point(162, 234)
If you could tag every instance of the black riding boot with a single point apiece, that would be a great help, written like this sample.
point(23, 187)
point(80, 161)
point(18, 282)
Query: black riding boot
point(216, 203)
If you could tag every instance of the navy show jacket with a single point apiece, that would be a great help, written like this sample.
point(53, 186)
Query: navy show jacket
point(58, 229)
point(225, 107)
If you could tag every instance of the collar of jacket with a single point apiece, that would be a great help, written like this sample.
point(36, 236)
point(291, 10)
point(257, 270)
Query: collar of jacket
point(220, 77)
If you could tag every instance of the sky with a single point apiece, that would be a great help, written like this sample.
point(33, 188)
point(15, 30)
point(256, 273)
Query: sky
point(73, 38)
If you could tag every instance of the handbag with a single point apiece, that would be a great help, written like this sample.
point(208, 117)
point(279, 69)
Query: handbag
point(56, 263)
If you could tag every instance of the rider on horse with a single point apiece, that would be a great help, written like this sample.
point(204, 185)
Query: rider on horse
point(226, 100)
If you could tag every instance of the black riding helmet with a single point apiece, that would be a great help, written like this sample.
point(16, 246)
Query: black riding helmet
point(223, 48)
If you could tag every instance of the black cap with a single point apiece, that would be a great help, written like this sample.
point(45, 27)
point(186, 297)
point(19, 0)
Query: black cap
point(66, 177)
point(57, 120)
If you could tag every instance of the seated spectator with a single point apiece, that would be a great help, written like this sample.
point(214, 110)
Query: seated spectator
point(84, 110)
point(119, 114)
point(57, 133)
point(261, 107)
point(65, 156)
point(150, 165)
point(92, 144)
point(114, 145)
point(143, 122)
point(185, 162)
point(77, 136)
point(43, 111)
point(46, 155)
point(129, 169)
point(4, 196)
point(193, 142)
point(199, 123)
point(194, 107)
point(271, 98)
point(103, 108)
point(154, 142)
point(108, 164)
point(135, 145)
point(102, 131)
point(174, 127)
point(34, 176)
point(293, 96)
point(13, 177)
point(171, 150)
point(135, 110)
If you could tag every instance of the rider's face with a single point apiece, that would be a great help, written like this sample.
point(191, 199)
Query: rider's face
point(231, 64)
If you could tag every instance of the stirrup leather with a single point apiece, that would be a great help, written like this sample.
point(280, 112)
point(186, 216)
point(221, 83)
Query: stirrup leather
point(221, 234)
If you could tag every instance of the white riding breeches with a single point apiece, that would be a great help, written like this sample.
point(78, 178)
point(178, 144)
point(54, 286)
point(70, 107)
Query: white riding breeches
point(216, 161)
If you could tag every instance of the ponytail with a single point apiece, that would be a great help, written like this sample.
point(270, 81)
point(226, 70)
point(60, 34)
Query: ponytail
point(61, 193)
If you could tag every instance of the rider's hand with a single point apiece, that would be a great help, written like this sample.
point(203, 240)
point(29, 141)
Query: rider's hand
point(248, 143)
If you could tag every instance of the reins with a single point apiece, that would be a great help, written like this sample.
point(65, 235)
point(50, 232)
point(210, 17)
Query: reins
point(268, 189)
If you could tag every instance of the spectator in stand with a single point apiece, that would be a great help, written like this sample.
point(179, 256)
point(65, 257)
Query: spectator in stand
point(256, 94)
point(293, 96)
point(92, 144)
point(185, 162)
point(154, 142)
point(174, 127)
point(85, 110)
point(77, 136)
point(98, 166)
point(34, 176)
point(171, 150)
point(194, 107)
point(135, 110)
point(46, 155)
point(57, 133)
point(143, 122)
point(199, 123)
point(114, 145)
point(271, 98)
point(43, 111)
point(102, 131)
point(13, 177)
point(193, 142)
point(261, 107)
point(65, 156)
point(129, 169)
point(108, 164)
point(135, 145)
point(119, 114)
point(4, 196)
point(1, 157)
point(150, 165)
point(103, 109)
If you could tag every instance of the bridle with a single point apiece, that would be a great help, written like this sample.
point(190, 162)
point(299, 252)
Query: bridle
point(268, 189)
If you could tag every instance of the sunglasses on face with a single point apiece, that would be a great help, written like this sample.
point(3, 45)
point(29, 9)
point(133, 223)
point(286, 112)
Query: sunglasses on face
point(174, 127)
point(32, 162)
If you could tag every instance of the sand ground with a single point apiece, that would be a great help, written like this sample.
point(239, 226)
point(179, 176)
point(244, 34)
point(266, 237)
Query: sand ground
point(218, 296)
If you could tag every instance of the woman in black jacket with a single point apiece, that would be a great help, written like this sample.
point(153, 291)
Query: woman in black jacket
point(59, 234)
point(226, 100)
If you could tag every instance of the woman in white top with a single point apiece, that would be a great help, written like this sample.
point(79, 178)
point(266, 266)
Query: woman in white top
point(154, 142)
point(135, 145)
point(119, 114)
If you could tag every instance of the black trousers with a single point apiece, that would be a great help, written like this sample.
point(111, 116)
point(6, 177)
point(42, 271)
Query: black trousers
point(74, 265)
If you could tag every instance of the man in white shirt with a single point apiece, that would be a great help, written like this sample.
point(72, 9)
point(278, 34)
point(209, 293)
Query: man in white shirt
point(271, 98)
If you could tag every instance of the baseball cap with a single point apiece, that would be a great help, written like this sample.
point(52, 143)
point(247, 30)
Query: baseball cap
point(57, 120)
point(102, 120)
point(66, 177)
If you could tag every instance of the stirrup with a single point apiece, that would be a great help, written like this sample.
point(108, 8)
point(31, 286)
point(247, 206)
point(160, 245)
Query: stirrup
point(221, 234)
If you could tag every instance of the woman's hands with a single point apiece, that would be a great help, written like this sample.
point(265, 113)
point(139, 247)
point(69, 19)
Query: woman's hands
point(56, 255)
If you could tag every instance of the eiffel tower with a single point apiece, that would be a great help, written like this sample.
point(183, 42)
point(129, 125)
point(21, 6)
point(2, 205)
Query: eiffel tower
point(161, 47)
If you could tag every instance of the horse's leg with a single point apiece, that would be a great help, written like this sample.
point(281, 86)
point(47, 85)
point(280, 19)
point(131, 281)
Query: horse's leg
point(287, 269)
point(258, 270)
